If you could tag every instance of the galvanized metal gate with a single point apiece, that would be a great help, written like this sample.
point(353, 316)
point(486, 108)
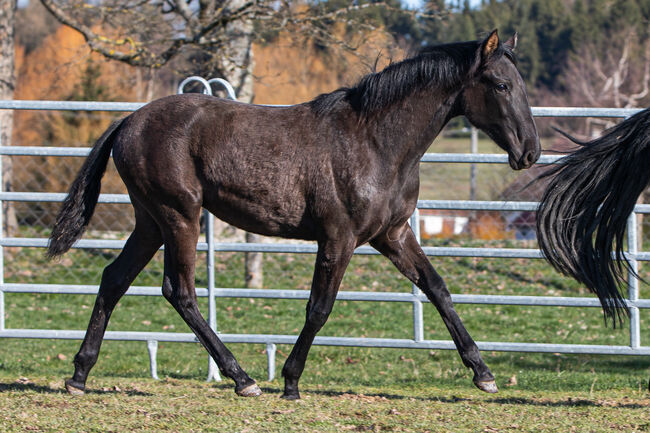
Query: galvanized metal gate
point(414, 297)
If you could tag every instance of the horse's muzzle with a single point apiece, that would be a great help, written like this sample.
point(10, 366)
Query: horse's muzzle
point(529, 157)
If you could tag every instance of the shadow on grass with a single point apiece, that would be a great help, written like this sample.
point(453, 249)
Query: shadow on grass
point(575, 362)
point(569, 402)
point(23, 387)
point(519, 401)
point(41, 389)
point(369, 396)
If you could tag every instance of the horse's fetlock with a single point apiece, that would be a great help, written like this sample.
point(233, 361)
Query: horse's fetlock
point(82, 359)
point(289, 372)
point(230, 368)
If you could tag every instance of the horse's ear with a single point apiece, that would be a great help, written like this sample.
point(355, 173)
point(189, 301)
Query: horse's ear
point(512, 42)
point(489, 45)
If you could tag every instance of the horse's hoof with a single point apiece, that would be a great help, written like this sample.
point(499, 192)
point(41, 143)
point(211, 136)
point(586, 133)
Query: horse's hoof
point(250, 391)
point(73, 389)
point(488, 386)
point(295, 396)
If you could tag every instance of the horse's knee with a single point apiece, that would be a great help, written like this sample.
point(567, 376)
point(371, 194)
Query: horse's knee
point(180, 299)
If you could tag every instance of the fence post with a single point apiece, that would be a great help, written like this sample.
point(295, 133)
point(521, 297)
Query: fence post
point(152, 347)
point(633, 282)
point(418, 326)
point(270, 357)
point(473, 144)
point(213, 371)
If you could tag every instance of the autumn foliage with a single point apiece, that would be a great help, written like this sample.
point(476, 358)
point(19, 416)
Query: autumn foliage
point(63, 68)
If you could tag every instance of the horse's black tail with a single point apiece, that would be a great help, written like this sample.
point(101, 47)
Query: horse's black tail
point(79, 205)
point(583, 213)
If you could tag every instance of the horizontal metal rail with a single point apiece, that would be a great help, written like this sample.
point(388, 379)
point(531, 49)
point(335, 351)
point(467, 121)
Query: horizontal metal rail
point(428, 157)
point(132, 106)
point(485, 158)
point(308, 248)
point(394, 343)
point(17, 104)
point(500, 206)
point(58, 197)
point(343, 295)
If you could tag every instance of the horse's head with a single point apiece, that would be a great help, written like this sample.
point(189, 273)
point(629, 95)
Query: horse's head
point(496, 102)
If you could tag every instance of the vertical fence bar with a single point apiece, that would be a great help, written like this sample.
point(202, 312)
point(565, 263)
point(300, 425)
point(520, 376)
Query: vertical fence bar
point(270, 357)
point(473, 145)
point(152, 347)
point(633, 282)
point(213, 371)
point(418, 326)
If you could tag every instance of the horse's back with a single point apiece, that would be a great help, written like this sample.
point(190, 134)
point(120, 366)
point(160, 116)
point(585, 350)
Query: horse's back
point(245, 163)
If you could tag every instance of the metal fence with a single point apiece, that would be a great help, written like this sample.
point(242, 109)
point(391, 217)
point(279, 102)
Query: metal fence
point(209, 246)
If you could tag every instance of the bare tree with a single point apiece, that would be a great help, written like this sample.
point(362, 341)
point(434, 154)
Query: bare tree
point(150, 33)
point(615, 76)
point(7, 84)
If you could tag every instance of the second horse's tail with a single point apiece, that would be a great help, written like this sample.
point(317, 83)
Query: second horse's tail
point(583, 213)
point(79, 205)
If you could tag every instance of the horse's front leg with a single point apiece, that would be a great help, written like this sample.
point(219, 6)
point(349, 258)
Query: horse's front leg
point(332, 259)
point(401, 247)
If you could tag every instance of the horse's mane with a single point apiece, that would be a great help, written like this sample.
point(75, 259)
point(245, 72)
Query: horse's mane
point(445, 65)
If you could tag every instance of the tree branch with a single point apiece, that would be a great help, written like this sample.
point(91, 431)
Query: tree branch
point(158, 30)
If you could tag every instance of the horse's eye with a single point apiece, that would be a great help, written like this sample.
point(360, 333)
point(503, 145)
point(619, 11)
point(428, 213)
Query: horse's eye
point(502, 87)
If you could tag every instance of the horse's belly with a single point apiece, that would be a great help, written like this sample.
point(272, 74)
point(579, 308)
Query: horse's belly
point(263, 214)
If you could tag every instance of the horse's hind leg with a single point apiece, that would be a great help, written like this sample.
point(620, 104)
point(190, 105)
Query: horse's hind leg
point(180, 237)
point(116, 279)
point(401, 247)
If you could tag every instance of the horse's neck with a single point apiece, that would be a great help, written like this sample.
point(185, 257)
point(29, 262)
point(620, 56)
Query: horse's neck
point(406, 131)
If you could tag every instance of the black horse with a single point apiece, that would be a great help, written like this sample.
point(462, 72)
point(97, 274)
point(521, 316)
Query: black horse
point(341, 170)
point(583, 213)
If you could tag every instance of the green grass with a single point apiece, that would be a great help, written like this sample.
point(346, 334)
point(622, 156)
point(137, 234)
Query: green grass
point(171, 405)
point(344, 388)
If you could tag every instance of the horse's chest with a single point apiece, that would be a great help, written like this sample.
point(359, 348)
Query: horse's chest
point(381, 205)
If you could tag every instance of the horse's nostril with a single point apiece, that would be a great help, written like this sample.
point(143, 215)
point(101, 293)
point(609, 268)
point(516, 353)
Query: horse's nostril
point(528, 158)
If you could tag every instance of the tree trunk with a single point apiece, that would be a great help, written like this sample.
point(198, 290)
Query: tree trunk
point(7, 83)
point(237, 66)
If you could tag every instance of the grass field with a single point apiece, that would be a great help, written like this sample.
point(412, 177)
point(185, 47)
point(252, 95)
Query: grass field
point(356, 389)
point(343, 389)
point(172, 405)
